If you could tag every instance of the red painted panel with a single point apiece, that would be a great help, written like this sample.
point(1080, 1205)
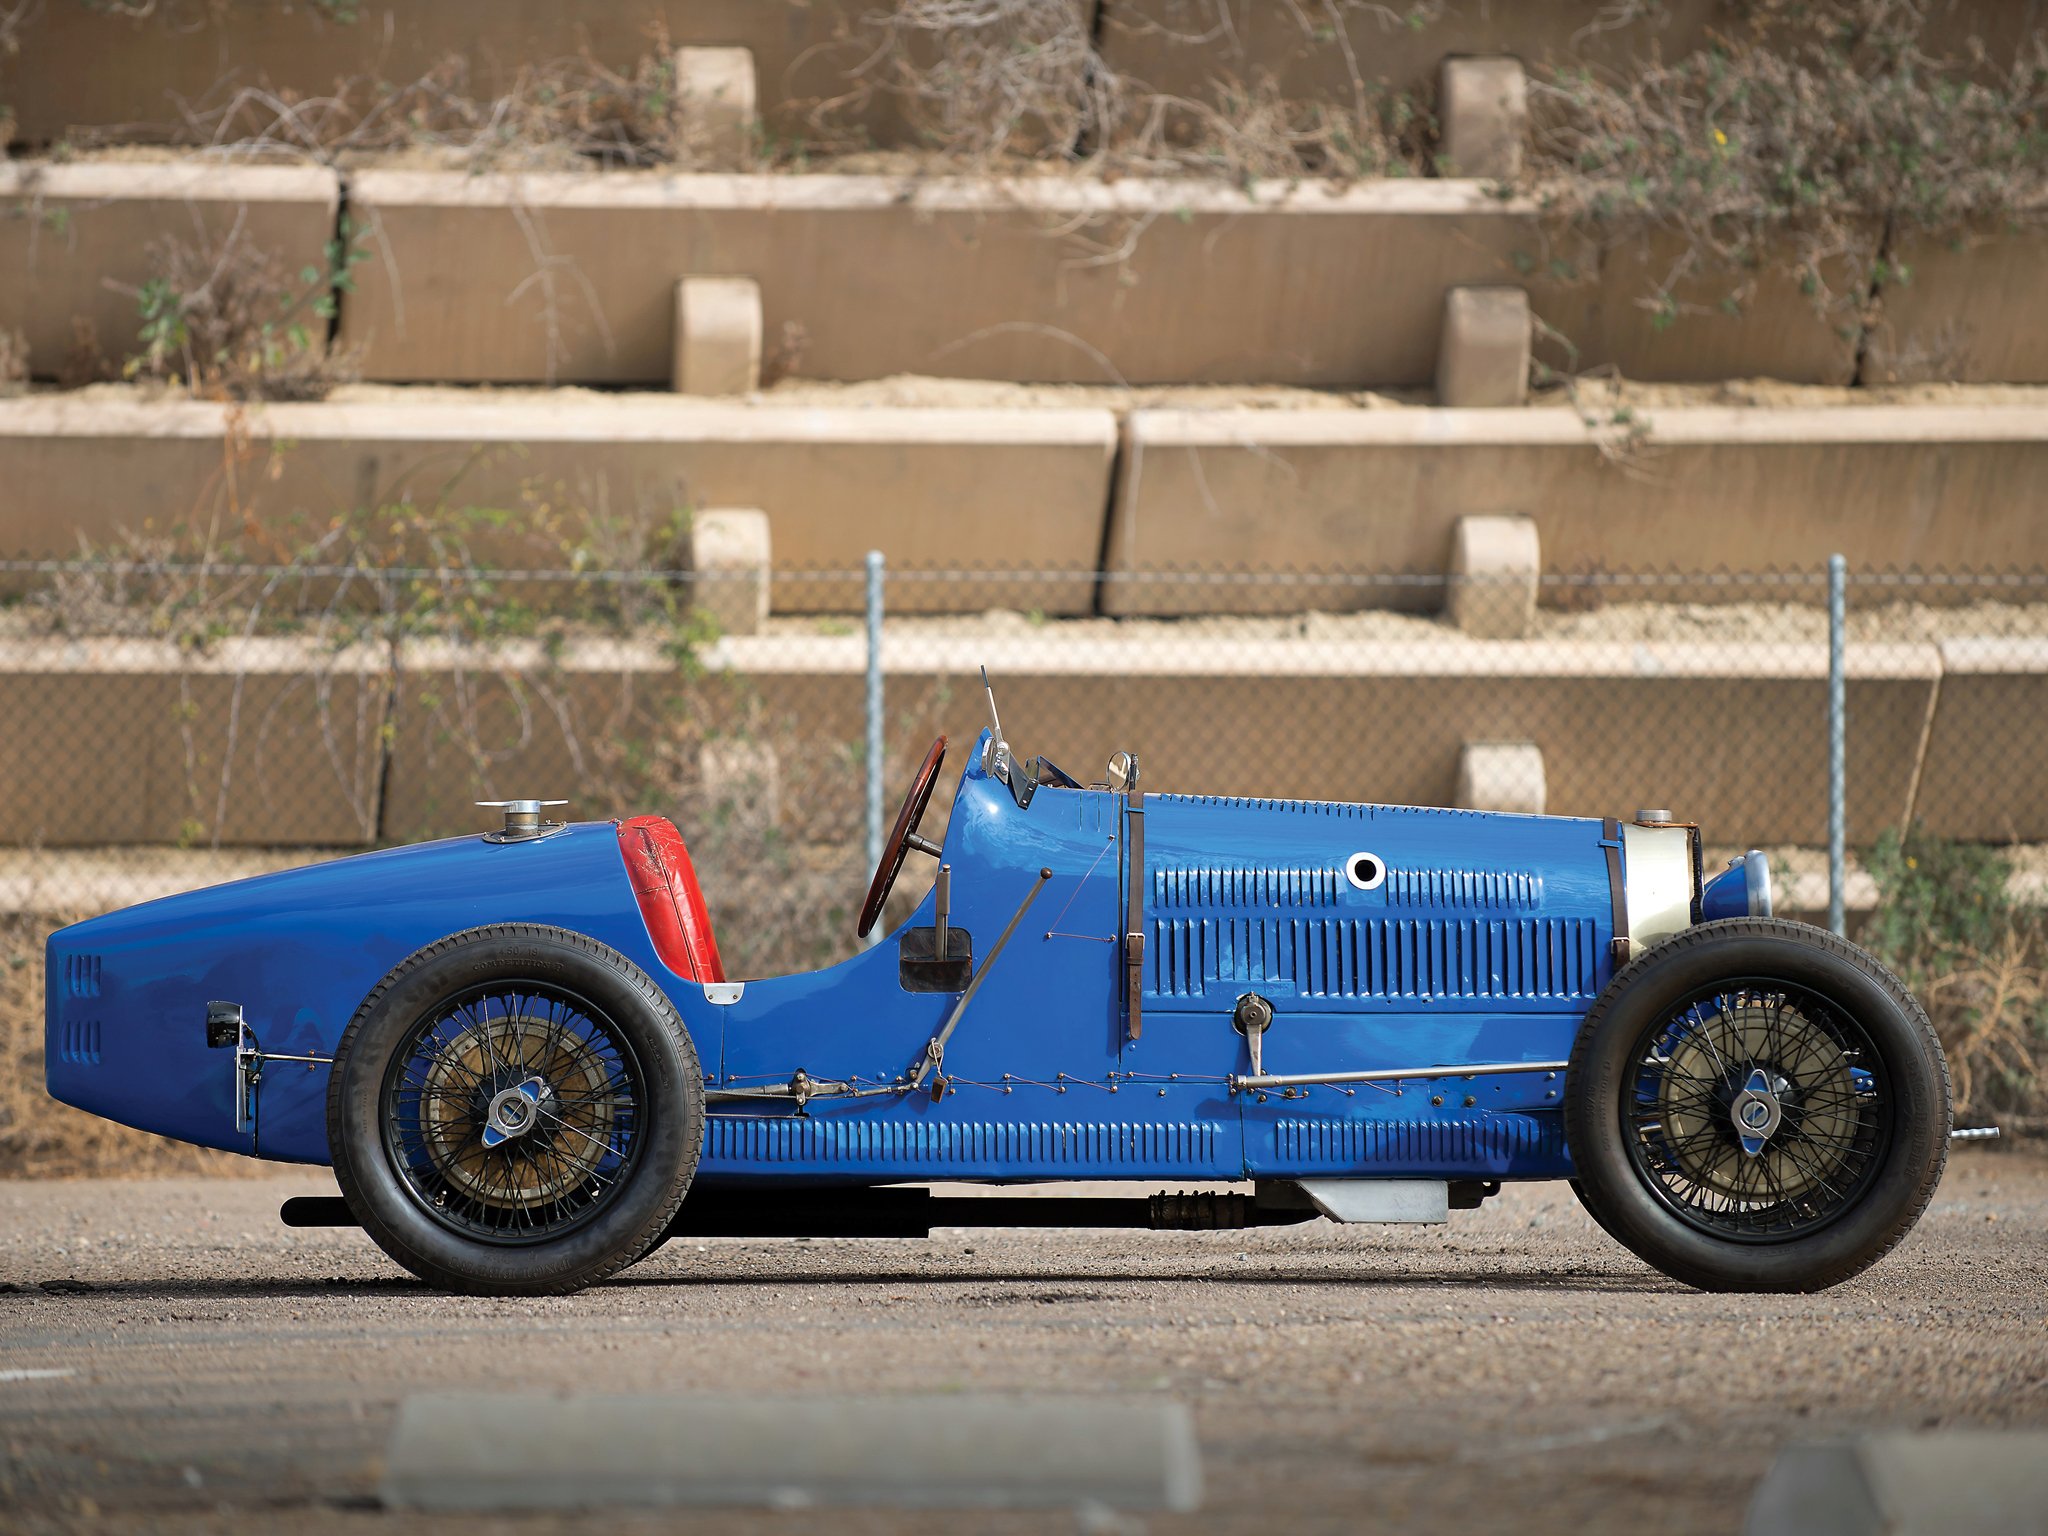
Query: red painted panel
point(665, 884)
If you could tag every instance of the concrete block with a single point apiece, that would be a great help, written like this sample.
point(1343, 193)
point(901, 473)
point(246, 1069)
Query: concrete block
point(718, 336)
point(486, 1451)
point(592, 722)
point(1723, 732)
point(1962, 308)
point(969, 278)
point(1483, 359)
point(1015, 490)
point(1501, 776)
point(1708, 488)
point(731, 556)
point(76, 239)
point(741, 779)
point(267, 741)
point(715, 103)
point(1951, 1483)
point(1483, 109)
point(1589, 288)
point(1728, 733)
point(131, 69)
point(1984, 776)
point(1183, 50)
point(1495, 566)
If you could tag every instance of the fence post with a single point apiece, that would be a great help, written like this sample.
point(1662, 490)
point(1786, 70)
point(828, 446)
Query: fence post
point(874, 712)
point(1838, 741)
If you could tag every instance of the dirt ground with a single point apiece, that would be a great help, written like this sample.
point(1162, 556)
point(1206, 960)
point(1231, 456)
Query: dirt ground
point(213, 1370)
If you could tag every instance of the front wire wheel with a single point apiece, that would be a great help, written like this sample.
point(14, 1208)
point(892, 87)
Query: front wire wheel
point(1760, 1110)
point(1757, 1105)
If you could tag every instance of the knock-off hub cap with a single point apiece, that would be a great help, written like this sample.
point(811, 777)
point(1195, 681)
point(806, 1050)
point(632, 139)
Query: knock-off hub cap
point(514, 1111)
point(1756, 1112)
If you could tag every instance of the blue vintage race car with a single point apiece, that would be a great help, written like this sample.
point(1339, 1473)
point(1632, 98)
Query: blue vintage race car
point(527, 1066)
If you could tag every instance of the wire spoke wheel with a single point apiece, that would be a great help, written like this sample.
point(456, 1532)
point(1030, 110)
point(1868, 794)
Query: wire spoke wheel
point(1757, 1110)
point(512, 1112)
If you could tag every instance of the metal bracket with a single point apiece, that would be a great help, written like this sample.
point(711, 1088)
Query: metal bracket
point(1252, 1017)
point(225, 1025)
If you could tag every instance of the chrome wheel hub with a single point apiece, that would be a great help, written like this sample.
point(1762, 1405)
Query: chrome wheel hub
point(514, 1111)
point(1756, 1112)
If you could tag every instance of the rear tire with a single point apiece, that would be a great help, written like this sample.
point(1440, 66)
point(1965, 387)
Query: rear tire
point(1811, 1036)
point(563, 1051)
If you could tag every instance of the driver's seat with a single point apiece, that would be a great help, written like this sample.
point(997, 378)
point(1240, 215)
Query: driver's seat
point(664, 882)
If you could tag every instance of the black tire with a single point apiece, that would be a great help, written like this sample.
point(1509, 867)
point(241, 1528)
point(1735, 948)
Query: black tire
point(541, 1213)
point(1859, 1108)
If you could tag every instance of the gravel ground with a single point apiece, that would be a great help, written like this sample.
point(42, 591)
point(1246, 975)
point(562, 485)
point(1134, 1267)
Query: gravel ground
point(216, 1371)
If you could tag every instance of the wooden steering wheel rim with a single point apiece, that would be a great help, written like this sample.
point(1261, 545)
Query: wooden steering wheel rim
point(897, 847)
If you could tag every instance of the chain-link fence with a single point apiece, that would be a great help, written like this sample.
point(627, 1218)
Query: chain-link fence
point(177, 724)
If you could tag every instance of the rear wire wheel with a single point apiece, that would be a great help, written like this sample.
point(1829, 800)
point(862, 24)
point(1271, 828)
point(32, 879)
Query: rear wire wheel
point(515, 1110)
point(1757, 1105)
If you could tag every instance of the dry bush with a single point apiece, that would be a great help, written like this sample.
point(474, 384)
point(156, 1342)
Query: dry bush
point(558, 112)
point(991, 78)
point(1253, 132)
point(13, 361)
point(1831, 128)
point(11, 19)
point(1989, 1009)
point(988, 81)
point(1947, 923)
point(228, 320)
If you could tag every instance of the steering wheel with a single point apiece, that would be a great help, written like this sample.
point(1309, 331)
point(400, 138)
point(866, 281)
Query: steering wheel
point(903, 837)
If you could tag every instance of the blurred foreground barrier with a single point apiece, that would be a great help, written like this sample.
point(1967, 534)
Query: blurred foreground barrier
point(476, 1451)
point(1959, 1483)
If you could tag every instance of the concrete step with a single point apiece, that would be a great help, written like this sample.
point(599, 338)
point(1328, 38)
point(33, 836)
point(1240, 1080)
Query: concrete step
point(569, 478)
point(571, 277)
point(1702, 488)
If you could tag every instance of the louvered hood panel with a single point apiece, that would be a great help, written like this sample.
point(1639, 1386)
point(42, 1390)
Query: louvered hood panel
point(1363, 907)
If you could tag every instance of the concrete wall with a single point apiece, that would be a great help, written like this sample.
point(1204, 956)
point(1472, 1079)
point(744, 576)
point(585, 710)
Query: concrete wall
point(1023, 490)
point(570, 278)
point(131, 741)
point(1733, 738)
point(1964, 310)
point(1986, 776)
point(1206, 50)
point(1710, 488)
point(135, 733)
point(76, 240)
point(81, 68)
point(1263, 491)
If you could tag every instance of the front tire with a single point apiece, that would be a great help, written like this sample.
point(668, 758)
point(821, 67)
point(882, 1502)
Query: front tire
point(515, 1111)
point(1757, 1105)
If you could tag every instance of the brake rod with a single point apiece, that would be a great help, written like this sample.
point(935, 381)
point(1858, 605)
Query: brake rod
point(935, 1048)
